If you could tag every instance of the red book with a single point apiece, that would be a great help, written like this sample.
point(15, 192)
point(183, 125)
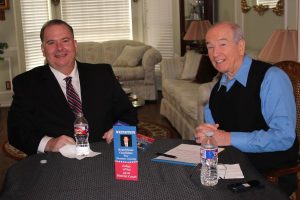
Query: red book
point(143, 142)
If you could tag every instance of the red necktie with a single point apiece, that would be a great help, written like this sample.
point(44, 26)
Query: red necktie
point(72, 96)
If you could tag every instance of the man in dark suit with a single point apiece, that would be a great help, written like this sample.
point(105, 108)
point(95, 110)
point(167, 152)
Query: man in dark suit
point(40, 118)
point(126, 141)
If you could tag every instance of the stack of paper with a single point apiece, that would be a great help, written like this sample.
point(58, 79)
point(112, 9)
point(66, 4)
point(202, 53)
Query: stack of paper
point(227, 171)
point(186, 154)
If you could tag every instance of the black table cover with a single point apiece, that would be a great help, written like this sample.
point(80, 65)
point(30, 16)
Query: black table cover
point(93, 178)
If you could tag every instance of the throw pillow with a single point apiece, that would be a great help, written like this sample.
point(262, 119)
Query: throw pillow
point(206, 71)
point(131, 56)
point(192, 60)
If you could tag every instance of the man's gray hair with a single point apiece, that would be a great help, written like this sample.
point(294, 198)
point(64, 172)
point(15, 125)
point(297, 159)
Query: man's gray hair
point(236, 29)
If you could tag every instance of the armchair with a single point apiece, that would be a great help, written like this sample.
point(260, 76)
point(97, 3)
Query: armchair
point(183, 99)
point(292, 68)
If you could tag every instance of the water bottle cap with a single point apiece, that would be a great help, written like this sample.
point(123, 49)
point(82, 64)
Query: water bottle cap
point(80, 114)
point(209, 133)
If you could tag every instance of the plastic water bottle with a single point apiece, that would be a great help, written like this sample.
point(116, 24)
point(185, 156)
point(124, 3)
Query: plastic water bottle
point(209, 160)
point(81, 134)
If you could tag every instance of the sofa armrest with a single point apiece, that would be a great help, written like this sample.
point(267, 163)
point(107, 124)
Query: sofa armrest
point(150, 58)
point(172, 68)
point(204, 91)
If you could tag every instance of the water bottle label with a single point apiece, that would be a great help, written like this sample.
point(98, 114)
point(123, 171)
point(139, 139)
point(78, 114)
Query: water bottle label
point(209, 153)
point(81, 130)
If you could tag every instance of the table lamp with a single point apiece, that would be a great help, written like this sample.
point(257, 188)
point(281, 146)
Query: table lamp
point(282, 45)
point(196, 33)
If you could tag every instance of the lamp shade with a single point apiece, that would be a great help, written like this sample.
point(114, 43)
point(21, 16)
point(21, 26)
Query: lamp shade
point(282, 45)
point(197, 30)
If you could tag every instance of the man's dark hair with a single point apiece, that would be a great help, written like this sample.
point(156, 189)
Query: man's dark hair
point(55, 22)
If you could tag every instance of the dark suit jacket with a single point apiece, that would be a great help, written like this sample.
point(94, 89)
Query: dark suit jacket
point(40, 108)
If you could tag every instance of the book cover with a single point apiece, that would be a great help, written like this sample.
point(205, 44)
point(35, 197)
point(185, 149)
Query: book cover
point(144, 142)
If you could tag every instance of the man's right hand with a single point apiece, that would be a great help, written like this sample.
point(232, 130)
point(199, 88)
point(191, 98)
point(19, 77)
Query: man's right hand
point(222, 137)
point(202, 128)
point(56, 143)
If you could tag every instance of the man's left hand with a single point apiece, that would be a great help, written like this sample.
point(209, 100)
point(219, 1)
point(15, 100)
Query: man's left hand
point(108, 136)
point(222, 137)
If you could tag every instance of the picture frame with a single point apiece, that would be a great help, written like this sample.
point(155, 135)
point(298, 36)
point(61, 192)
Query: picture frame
point(4, 5)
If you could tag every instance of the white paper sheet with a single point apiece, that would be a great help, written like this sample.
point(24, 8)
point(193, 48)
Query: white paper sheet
point(187, 154)
point(230, 171)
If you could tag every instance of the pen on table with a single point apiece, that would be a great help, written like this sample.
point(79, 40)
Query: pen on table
point(165, 155)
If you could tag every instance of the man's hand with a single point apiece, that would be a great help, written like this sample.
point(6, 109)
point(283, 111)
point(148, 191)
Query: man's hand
point(56, 143)
point(222, 137)
point(108, 136)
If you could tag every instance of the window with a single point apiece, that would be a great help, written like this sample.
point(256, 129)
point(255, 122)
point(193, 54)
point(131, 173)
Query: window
point(98, 20)
point(92, 20)
point(34, 15)
point(159, 26)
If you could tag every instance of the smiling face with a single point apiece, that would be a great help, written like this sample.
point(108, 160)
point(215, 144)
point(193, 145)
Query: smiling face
point(225, 51)
point(59, 48)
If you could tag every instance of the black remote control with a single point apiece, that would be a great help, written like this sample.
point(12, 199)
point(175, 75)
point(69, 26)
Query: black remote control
point(244, 186)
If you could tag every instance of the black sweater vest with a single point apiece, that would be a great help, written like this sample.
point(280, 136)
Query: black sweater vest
point(239, 109)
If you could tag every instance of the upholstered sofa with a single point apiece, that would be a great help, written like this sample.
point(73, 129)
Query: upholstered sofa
point(133, 63)
point(183, 98)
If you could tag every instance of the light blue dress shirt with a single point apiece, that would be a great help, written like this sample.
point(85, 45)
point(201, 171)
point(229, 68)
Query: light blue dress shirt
point(278, 109)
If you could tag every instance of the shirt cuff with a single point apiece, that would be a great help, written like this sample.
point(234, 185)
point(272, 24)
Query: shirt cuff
point(240, 140)
point(43, 143)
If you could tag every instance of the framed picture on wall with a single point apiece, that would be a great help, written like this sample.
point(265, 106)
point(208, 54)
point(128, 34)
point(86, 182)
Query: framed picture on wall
point(4, 4)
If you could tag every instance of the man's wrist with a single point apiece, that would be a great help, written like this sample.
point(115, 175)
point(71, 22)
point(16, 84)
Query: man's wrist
point(43, 143)
point(228, 138)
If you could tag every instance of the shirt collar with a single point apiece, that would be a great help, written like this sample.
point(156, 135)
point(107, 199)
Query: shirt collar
point(241, 76)
point(60, 76)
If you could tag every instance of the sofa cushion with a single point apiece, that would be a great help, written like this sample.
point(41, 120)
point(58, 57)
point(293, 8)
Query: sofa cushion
point(206, 71)
point(90, 52)
point(183, 94)
point(129, 73)
point(131, 56)
point(191, 64)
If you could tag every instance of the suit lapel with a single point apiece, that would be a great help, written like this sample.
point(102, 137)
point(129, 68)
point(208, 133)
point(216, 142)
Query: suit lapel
point(84, 84)
point(52, 86)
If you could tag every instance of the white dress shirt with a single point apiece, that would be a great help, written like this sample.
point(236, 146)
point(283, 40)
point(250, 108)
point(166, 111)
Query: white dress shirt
point(60, 78)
